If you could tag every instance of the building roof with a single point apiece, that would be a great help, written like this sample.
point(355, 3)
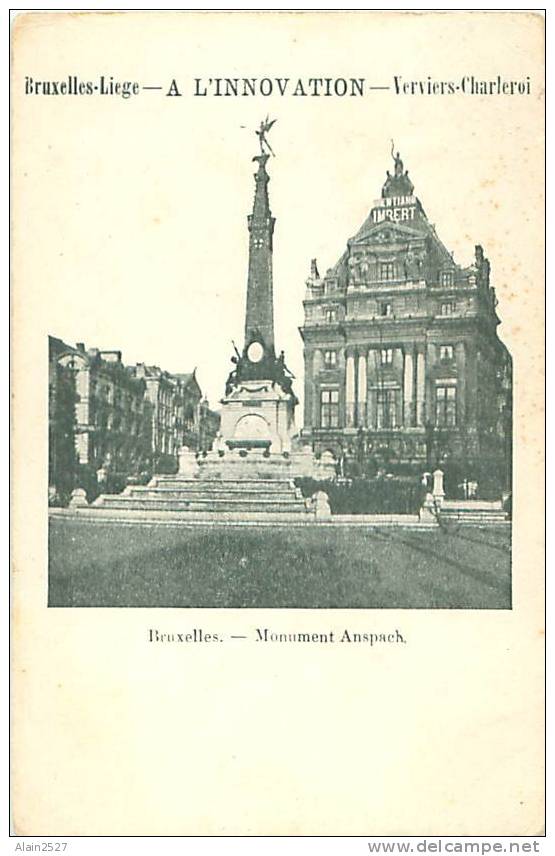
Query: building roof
point(187, 377)
point(111, 360)
point(397, 187)
point(57, 346)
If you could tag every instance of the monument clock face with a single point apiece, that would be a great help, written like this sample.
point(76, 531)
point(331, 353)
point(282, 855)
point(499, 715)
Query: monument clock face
point(255, 352)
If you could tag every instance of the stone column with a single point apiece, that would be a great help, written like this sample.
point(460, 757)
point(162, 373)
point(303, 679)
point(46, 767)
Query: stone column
point(460, 354)
point(430, 394)
point(362, 389)
point(408, 386)
point(437, 490)
point(309, 390)
point(78, 498)
point(317, 363)
point(282, 426)
point(420, 386)
point(188, 464)
point(350, 392)
point(372, 377)
point(321, 505)
point(471, 387)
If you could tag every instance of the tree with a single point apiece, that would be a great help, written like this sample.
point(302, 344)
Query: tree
point(62, 456)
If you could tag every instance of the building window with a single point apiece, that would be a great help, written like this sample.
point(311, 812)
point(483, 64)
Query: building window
point(385, 309)
point(387, 408)
point(330, 359)
point(387, 270)
point(331, 316)
point(446, 353)
point(446, 406)
point(448, 308)
point(446, 278)
point(329, 408)
point(386, 356)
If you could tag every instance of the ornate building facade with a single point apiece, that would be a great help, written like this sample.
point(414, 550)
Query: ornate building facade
point(109, 420)
point(403, 365)
point(110, 413)
point(178, 414)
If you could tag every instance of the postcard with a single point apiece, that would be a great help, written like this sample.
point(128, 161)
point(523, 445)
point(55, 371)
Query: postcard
point(277, 485)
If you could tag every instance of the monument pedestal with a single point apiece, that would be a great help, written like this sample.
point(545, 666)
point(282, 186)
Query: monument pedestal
point(258, 414)
point(256, 464)
point(256, 440)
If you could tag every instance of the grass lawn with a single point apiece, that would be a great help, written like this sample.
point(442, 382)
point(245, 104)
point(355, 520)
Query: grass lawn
point(110, 564)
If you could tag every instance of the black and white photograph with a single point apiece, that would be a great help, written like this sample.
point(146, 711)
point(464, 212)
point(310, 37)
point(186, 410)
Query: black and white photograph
point(395, 491)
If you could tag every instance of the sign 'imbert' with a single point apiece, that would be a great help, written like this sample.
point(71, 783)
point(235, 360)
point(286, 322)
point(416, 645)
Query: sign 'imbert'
point(394, 208)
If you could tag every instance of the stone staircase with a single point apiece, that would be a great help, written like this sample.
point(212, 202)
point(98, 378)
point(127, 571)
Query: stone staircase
point(473, 512)
point(174, 493)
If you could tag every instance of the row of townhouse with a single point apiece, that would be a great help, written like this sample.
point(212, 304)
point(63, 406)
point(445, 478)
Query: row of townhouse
point(109, 421)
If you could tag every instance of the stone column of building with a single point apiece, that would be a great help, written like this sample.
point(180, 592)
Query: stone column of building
point(420, 386)
point(460, 356)
point(408, 388)
point(350, 391)
point(430, 394)
point(309, 383)
point(471, 389)
point(317, 364)
point(398, 367)
point(372, 374)
point(341, 368)
point(362, 390)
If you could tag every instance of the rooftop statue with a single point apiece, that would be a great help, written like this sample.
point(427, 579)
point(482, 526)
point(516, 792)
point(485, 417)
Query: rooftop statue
point(265, 126)
point(398, 161)
point(398, 184)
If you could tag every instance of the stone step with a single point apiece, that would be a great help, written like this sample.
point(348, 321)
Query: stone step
point(468, 505)
point(484, 517)
point(289, 506)
point(471, 515)
point(216, 493)
point(117, 501)
point(224, 484)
